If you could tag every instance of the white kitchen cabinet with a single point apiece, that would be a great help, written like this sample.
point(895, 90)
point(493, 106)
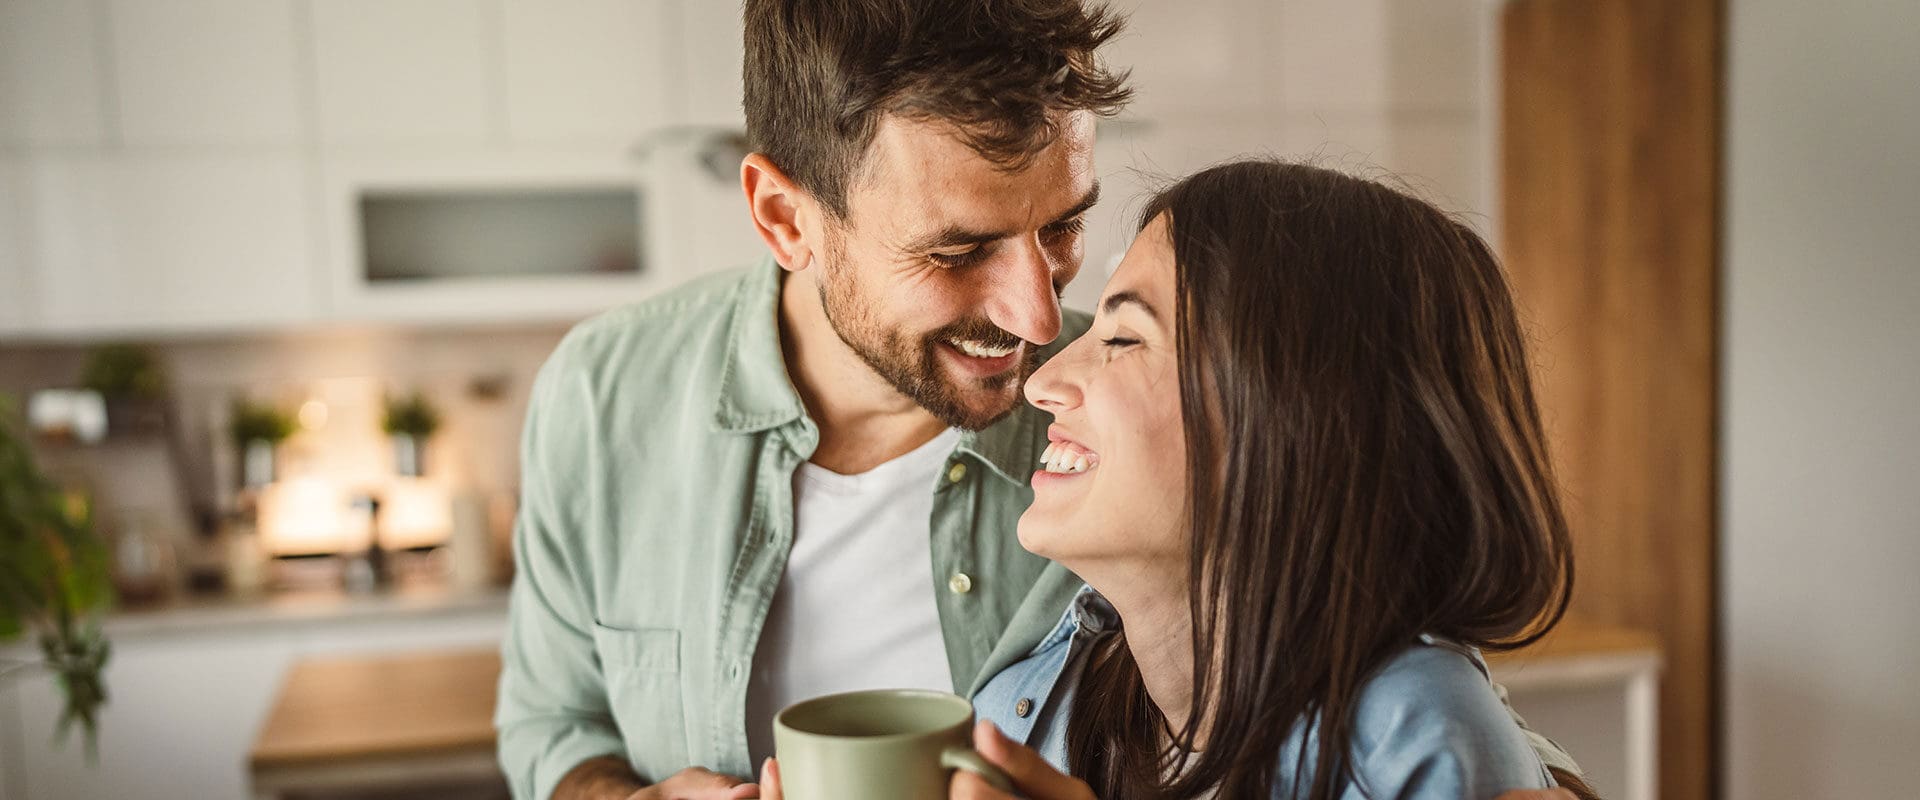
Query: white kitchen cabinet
point(206, 72)
point(1197, 56)
point(130, 243)
point(586, 70)
point(359, 292)
point(405, 71)
point(180, 718)
point(50, 81)
point(186, 704)
point(711, 47)
point(16, 286)
point(1375, 55)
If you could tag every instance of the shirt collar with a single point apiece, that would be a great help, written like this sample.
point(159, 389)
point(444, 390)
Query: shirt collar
point(1088, 614)
point(755, 392)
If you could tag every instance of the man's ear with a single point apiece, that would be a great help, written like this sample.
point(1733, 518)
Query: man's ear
point(783, 213)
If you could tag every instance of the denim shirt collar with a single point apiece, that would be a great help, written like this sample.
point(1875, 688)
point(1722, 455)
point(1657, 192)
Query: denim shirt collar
point(757, 394)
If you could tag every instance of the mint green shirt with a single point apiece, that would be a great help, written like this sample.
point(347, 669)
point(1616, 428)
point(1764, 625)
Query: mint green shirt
point(656, 517)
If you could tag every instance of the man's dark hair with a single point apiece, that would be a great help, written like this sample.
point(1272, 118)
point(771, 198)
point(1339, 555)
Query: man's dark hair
point(819, 75)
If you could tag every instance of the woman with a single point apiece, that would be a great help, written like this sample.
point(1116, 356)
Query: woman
point(1298, 462)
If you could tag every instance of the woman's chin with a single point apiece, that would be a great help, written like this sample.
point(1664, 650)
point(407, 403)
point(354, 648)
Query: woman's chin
point(1037, 535)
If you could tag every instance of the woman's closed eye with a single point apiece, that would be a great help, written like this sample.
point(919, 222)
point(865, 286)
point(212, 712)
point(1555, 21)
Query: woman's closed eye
point(1120, 342)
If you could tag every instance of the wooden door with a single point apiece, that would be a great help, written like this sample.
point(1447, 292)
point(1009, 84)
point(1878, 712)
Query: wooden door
point(1610, 156)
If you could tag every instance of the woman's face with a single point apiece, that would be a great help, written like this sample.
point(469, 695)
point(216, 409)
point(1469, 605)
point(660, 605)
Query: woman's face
point(1112, 486)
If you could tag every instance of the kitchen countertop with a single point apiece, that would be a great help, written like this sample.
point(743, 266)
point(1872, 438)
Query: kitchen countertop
point(231, 612)
point(390, 721)
point(333, 712)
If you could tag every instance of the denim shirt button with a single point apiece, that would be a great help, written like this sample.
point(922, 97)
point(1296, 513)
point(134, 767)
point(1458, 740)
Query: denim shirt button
point(960, 583)
point(1023, 708)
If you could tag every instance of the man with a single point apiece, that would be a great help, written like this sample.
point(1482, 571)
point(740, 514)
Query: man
point(733, 493)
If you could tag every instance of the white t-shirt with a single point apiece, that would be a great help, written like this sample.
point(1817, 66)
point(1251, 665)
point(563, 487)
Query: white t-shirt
point(855, 609)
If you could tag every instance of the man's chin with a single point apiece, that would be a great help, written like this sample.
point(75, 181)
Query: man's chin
point(975, 409)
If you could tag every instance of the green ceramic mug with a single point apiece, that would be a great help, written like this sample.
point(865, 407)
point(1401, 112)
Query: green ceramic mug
point(885, 744)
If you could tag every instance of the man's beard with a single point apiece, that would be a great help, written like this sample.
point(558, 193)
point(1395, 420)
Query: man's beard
point(912, 367)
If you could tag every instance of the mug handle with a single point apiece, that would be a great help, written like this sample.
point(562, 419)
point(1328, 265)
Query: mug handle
point(965, 758)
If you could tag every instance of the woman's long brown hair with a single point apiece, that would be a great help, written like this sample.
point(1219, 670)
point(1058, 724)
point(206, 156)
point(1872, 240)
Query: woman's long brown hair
point(1366, 464)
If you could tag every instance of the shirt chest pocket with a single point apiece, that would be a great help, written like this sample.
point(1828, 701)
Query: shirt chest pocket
point(641, 667)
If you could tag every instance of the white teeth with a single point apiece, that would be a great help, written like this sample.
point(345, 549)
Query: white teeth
point(1059, 458)
point(978, 350)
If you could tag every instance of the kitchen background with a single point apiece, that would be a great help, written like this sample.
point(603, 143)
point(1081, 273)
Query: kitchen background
point(308, 222)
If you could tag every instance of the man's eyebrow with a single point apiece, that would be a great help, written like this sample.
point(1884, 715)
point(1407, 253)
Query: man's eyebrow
point(1117, 299)
point(954, 236)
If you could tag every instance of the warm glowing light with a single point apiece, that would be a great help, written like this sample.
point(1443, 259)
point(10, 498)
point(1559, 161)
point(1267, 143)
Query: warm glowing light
point(310, 515)
point(313, 414)
point(415, 512)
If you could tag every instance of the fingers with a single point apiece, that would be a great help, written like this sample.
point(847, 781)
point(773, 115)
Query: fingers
point(769, 780)
point(694, 783)
point(968, 786)
point(1031, 774)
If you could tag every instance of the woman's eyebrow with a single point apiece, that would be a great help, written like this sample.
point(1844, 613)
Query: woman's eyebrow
point(1117, 299)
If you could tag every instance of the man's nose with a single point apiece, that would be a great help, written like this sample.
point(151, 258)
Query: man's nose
point(1024, 301)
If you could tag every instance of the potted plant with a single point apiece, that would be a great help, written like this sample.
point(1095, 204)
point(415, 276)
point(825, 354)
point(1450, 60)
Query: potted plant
point(257, 429)
point(410, 420)
point(53, 581)
point(132, 383)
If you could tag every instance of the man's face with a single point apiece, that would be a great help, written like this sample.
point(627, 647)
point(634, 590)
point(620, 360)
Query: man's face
point(946, 274)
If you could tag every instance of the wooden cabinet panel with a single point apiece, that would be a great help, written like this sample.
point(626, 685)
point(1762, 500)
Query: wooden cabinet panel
point(585, 69)
point(1610, 153)
point(129, 243)
point(403, 71)
point(50, 81)
point(206, 72)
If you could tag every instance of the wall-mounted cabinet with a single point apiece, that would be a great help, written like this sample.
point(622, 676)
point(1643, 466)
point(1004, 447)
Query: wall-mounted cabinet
point(134, 243)
point(586, 71)
point(403, 71)
point(14, 286)
point(485, 237)
point(205, 72)
point(710, 49)
point(224, 165)
point(50, 81)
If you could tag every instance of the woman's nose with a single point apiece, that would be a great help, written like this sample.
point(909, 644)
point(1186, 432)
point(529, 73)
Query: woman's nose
point(1054, 387)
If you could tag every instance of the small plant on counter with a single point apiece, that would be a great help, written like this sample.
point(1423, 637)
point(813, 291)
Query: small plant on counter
point(254, 422)
point(411, 415)
point(410, 421)
point(124, 371)
point(53, 580)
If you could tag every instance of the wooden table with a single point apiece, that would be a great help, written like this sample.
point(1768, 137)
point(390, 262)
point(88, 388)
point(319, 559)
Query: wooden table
point(373, 722)
point(1596, 690)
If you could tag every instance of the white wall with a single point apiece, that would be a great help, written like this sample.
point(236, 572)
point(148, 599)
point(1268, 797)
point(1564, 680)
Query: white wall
point(1821, 434)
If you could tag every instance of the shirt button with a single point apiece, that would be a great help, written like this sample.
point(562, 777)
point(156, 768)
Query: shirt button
point(955, 473)
point(1023, 708)
point(960, 583)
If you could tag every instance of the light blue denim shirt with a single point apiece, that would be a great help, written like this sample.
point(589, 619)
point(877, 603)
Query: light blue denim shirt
point(1429, 724)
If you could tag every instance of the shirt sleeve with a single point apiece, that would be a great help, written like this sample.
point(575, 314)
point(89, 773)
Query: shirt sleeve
point(552, 712)
point(1432, 726)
